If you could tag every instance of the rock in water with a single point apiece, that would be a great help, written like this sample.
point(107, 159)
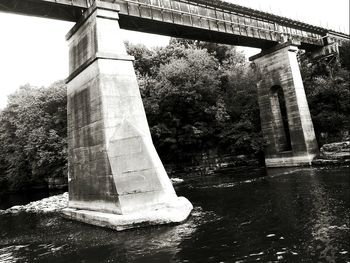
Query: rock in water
point(50, 204)
point(176, 181)
point(335, 151)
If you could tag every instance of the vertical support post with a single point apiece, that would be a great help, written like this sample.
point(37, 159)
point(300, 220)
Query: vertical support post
point(116, 178)
point(279, 67)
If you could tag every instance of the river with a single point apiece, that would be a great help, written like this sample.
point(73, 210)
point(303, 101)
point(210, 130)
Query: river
point(246, 215)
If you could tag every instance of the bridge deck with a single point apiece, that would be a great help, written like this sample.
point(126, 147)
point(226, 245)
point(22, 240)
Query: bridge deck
point(206, 20)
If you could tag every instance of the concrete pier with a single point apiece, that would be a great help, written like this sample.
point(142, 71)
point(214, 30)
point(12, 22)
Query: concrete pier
point(291, 142)
point(116, 178)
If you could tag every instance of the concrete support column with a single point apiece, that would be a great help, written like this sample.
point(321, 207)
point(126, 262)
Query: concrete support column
point(116, 178)
point(278, 68)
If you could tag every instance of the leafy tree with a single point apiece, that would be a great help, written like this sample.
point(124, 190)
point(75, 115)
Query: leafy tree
point(33, 136)
point(143, 58)
point(242, 134)
point(188, 90)
point(328, 97)
point(197, 97)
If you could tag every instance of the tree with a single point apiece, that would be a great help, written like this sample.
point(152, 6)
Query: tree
point(328, 98)
point(198, 97)
point(188, 90)
point(33, 136)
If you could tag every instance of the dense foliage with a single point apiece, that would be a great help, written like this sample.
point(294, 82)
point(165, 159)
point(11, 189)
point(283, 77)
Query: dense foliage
point(33, 137)
point(327, 89)
point(200, 98)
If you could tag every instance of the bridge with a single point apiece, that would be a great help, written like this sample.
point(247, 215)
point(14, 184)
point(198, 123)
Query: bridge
point(116, 178)
point(206, 20)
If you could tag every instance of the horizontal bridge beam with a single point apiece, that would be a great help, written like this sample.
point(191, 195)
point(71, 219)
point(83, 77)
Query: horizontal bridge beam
point(206, 20)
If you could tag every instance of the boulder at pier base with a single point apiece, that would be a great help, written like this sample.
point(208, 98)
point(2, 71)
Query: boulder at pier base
point(335, 151)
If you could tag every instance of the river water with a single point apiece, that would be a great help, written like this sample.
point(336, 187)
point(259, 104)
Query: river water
point(280, 215)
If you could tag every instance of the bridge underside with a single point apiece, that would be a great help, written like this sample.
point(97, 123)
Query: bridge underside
point(43, 9)
point(196, 22)
point(180, 31)
point(73, 13)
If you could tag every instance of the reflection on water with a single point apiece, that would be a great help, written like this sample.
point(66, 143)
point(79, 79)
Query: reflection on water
point(283, 215)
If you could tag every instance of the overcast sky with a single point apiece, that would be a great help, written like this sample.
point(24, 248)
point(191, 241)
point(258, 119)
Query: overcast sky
point(33, 50)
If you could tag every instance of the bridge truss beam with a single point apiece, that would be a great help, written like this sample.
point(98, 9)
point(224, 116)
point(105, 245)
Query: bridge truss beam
point(204, 20)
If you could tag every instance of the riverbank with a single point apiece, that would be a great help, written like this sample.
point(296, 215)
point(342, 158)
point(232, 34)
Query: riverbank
point(334, 154)
point(337, 153)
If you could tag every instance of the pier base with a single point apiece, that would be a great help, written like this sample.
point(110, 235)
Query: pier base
point(171, 213)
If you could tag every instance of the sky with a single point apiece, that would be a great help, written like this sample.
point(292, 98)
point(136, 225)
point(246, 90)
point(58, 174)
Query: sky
point(33, 50)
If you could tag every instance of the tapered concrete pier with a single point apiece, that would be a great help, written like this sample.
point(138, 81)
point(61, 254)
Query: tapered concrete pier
point(290, 139)
point(116, 178)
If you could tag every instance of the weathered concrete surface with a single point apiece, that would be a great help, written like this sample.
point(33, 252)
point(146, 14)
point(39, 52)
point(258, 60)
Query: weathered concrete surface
point(279, 68)
point(113, 165)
